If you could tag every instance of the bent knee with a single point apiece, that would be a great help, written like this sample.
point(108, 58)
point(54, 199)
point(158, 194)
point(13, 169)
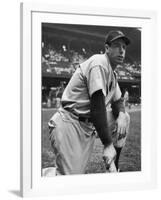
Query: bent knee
point(128, 123)
point(127, 117)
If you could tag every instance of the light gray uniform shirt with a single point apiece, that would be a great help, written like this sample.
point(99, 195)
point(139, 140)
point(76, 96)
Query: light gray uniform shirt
point(92, 75)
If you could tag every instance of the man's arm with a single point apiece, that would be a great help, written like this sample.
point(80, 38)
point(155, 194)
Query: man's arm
point(99, 118)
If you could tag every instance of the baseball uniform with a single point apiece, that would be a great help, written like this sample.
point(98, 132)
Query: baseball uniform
point(72, 134)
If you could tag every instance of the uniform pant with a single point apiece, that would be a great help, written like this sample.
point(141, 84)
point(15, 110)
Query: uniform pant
point(73, 141)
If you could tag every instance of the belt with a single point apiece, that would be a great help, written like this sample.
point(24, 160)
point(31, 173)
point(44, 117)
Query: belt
point(84, 119)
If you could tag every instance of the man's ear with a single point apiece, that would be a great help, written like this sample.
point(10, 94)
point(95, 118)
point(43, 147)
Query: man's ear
point(106, 47)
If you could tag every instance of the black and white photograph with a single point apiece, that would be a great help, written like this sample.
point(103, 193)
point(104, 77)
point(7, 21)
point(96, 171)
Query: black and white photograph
point(86, 90)
point(90, 99)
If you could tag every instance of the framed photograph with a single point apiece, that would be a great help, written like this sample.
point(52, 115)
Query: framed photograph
point(57, 41)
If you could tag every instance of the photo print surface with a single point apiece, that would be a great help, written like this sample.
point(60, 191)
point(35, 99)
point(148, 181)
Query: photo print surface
point(79, 64)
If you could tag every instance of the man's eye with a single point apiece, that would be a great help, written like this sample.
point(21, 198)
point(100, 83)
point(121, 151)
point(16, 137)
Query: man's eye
point(124, 47)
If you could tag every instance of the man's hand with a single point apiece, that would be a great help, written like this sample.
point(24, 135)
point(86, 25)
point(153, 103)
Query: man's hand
point(109, 154)
point(121, 124)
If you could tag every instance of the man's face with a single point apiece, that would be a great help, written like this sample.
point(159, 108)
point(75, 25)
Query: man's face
point(116, 51)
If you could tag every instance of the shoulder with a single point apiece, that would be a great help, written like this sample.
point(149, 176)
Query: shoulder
point(96, 59)
point(99, 59)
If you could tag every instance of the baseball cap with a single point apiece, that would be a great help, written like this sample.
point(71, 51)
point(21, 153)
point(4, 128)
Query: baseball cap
point(114, 35)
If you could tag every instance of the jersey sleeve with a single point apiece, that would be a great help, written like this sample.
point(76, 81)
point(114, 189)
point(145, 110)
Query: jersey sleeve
point(117, 93)
point(97, 80)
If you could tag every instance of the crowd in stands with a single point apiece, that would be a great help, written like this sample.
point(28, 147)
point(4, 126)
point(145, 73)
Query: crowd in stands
point(129, 71)
point(61, 61)
point(64, 62)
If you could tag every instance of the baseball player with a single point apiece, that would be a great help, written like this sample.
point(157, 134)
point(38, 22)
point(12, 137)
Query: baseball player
point(85, 107)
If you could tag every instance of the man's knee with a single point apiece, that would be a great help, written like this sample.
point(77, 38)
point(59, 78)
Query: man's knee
point(128, 117)
point(128, 122)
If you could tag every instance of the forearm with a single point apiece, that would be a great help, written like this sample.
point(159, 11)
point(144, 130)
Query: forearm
point(117, 107)
point(99, 117)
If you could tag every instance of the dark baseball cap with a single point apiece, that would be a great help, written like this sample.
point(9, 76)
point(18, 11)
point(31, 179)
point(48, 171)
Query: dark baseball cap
point(114, 35)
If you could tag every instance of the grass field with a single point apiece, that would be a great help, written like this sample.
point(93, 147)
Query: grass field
point(130, 159)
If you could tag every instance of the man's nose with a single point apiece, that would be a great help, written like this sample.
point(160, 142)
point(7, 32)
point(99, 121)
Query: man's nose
point(122, 50)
